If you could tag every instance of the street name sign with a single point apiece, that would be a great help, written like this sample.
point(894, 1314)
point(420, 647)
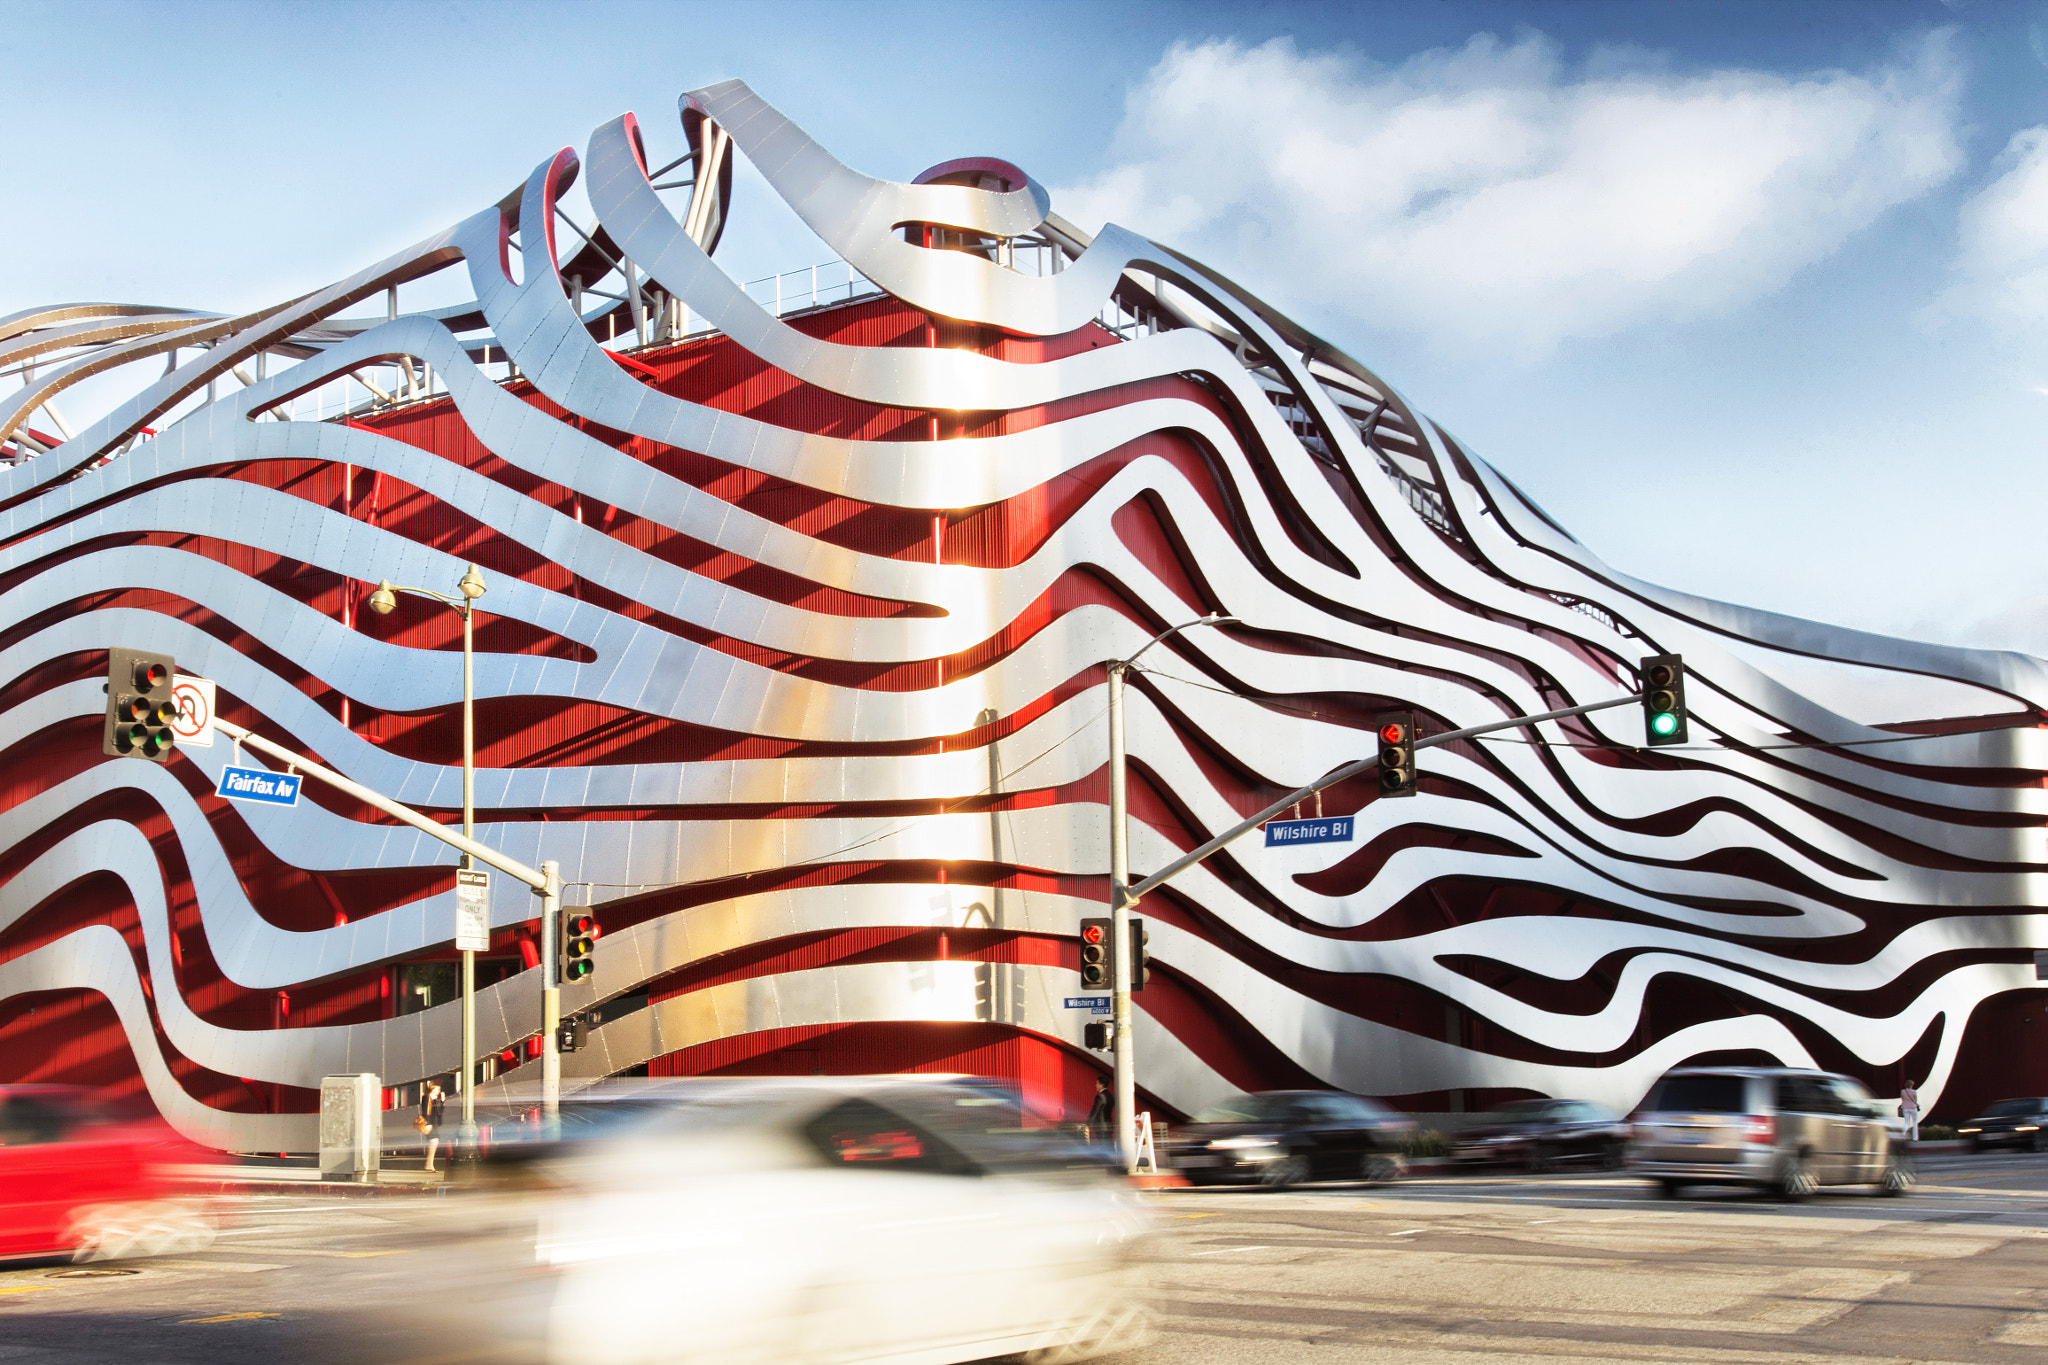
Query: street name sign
point(1334, 830)
point(472, 911)
point(260, 785)
point(1094, 1004)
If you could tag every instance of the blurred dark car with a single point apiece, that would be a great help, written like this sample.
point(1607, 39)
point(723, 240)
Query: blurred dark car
point(2009, 1123)
point(1541, 1134)
point(1280, 1138)
point(80, 1181)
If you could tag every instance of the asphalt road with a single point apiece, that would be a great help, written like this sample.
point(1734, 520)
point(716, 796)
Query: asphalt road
point(1490, 1268)
point(1597, 1267)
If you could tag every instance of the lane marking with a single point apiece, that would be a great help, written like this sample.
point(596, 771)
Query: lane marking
point(1218, 1251)
point(229, 1317)
point(1195, 1215)
point(25, 1288)
point(1410, 1233)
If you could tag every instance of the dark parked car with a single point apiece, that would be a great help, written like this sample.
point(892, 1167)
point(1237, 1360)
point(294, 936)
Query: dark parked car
point(2010, 1123)
point(1285, 1137)
point(1541, 1134)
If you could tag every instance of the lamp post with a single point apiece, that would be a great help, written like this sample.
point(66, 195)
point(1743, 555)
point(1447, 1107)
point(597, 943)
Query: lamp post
point(1121, 901)
point(468, 589)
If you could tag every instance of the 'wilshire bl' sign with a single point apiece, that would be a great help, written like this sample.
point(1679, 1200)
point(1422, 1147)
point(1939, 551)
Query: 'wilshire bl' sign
point(1335, 830)
point(259, 784)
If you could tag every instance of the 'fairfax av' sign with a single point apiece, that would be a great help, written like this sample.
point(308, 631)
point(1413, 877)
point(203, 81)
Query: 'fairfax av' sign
point(260, 785)
point(1335, 830)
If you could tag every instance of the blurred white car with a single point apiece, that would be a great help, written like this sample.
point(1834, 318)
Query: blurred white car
point(835, 1220)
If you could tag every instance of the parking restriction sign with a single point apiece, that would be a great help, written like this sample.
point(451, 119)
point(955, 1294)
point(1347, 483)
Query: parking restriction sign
point(472, 911)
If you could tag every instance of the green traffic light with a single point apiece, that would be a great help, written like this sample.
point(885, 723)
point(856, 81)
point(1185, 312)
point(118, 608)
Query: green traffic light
point(1664, 724)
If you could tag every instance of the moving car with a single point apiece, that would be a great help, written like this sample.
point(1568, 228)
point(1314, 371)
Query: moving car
point(1778, 1128)
point(1279, 1138)
point(1541, 1134)
point(2009, 1123)
point(79, 1181)
point(815, 1220)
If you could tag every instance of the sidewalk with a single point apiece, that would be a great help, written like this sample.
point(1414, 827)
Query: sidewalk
point(271, 1177)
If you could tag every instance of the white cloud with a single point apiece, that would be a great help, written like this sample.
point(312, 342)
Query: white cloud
point(1479, 195)
point(2002, 238)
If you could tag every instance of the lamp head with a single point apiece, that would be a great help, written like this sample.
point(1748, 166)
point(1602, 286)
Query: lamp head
point(384, 599)
point(472, 584)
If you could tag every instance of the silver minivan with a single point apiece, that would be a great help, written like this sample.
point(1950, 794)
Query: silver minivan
point(1777, 1128)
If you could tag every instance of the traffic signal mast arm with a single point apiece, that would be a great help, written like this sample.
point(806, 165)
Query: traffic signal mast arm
point(483, 853)
point(1350, 770)
point(546, 883)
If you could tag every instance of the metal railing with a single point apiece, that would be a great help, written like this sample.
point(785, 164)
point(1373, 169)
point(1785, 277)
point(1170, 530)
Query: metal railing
point(800, 291)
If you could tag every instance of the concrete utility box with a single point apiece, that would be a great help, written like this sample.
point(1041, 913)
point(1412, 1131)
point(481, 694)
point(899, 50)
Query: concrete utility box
point(351, 1127)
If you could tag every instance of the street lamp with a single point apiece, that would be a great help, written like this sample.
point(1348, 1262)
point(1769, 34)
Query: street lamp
point(468, 589)
point(1120, 900)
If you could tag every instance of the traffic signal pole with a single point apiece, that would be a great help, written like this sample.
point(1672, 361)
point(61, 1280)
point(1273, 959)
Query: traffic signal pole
point(1123, 895)
point(546, 881)
point(551, 998)
point(1120, 899)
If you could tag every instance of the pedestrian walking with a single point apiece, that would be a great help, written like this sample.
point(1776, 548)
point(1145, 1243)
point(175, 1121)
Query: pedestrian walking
point(433, 1104)
point(1909, 1109)
point(1103, 1112)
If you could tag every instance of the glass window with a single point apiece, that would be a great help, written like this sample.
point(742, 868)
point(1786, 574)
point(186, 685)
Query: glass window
point(25, 1120)
point(985, 1124)
point(1701, 1095)
point(1363, 1109)
point(1243, 1109)
point(2005, 1109)
point(1806, 1095)
point(1327, 1109)
point(862, 1133)
point(1850, 1096)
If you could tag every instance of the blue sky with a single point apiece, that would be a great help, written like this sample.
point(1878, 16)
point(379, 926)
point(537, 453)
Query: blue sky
point(1749, 296)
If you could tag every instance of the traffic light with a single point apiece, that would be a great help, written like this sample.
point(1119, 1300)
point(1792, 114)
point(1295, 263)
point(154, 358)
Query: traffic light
point(1663, 678)
point(579, 935)
point(1141, 956)
point(572, 1034)
point(1095, 947)
point(1097, 1035)
point(140, 707)
point(1397, 753)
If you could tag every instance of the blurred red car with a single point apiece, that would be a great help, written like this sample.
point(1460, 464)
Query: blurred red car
point(81, 1181)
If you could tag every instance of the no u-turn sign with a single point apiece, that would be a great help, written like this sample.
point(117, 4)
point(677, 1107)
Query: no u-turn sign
point(194, 726)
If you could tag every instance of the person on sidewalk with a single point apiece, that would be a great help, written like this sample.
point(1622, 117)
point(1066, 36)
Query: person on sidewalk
point(433, 1104)
point(1102, 1113)
point(1909, 1109)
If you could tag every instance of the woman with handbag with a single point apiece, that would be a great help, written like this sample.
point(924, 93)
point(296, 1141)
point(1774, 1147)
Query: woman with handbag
point(428, 1120)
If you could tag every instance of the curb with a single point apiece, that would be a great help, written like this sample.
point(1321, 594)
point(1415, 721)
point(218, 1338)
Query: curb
point(347, 1189)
